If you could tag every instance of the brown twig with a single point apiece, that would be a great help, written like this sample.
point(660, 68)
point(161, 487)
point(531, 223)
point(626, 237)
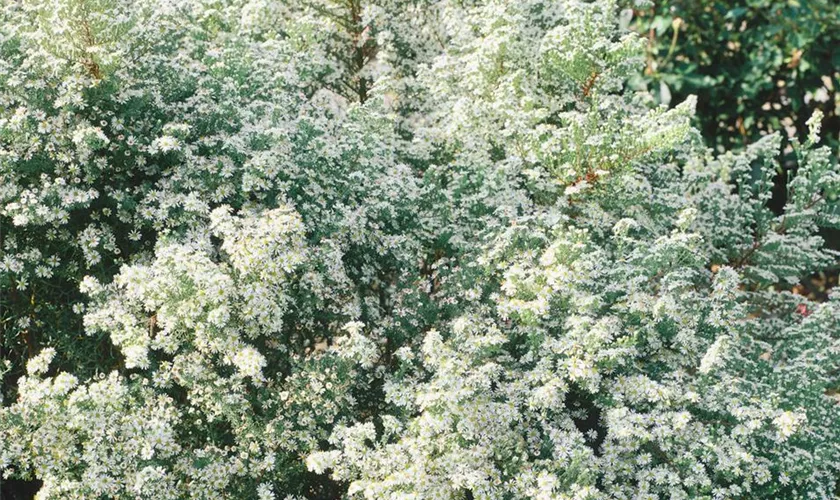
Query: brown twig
point(590, 83)
point(87, 61)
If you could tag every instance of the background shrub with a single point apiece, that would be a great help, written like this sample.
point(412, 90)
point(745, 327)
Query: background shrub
point(755, 66)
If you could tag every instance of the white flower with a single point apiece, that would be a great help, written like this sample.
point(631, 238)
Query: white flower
point(788, 422)
point(353, 327)
point(92, 137)
point(40, 363)
point(624, 226)
point(64, 382)
point(681, 419)
point(265, 492)
point(357, 346)
point(90, 285)
point(576, 188)
point(250, 363)
point(714, 355)
point(319, 462)
point(686, 218)
point(177, 130)
point(814, 124)
point(166, 143)
point(136, 356)
point(20, 219)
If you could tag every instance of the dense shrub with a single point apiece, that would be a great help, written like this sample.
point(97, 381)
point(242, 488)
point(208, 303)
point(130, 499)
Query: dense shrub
point(410, 249)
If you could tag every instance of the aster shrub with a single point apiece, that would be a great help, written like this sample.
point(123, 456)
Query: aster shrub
point(405, 249)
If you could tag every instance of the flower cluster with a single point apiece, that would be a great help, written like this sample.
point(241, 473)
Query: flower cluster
point(395, 249)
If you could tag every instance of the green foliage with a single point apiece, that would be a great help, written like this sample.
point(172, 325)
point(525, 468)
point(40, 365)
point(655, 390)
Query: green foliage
point(756, 66)
point(404, 249)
